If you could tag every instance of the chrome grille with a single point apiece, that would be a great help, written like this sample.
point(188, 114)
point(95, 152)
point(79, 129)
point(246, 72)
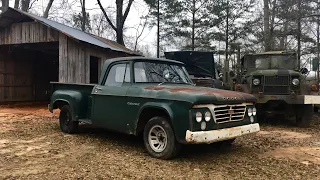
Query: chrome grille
point(277, 85)
point(228, 113)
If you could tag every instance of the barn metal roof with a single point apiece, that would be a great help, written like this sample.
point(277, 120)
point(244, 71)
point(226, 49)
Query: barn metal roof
point(14, 15)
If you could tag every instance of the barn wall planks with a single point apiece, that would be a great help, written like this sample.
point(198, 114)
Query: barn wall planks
point(28, 32)
point(74, 59)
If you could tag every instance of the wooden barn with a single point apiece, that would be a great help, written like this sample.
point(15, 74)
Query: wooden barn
point(35, 51)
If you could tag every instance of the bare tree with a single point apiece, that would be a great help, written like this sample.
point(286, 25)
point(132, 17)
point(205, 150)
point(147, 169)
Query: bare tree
point(46, 12)
point(16, 4)
point(5, 5)
point(83, 10)
point(121, 18)
point(25, 5)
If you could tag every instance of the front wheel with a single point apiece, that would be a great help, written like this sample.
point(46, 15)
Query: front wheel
point(159, 139)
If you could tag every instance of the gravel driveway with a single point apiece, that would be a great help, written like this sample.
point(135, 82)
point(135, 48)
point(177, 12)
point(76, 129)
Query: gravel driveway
point(33, 147)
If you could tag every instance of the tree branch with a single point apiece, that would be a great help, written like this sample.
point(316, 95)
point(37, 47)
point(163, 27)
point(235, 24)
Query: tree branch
point(127, 11)
point(106, 16)
point(46, 12)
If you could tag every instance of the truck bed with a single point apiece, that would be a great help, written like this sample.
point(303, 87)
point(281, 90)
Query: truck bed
point(84, 89)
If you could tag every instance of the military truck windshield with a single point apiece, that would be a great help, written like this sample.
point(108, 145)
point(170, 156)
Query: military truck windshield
point(275, 62)
point(155, 72)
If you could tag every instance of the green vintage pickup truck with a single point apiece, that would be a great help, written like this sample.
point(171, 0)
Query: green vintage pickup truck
point(155, 98)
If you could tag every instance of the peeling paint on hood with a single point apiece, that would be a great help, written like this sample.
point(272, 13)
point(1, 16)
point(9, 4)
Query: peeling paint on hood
point(197, 94)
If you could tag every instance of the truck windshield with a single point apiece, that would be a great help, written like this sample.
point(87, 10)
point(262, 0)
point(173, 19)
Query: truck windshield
point(155, 72)
point(275, 62)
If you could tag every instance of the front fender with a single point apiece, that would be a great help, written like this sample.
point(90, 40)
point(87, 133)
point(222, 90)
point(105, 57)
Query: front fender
point(178, 113)
point(71, 97)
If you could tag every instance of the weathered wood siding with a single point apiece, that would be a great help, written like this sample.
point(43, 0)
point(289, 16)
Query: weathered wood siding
point(74, 59)
point(16, 75)
point(28, 32)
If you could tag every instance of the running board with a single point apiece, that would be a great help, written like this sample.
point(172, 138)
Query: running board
point(87, 121)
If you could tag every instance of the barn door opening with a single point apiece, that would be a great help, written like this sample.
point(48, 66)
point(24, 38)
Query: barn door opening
point(94, 69)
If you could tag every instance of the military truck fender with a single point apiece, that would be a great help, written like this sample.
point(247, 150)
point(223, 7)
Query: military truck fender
point(150, 110)
point(67, 97)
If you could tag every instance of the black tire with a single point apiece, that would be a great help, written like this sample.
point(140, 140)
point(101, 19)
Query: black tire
point(66, 121)
point(172, 146)
point(304, 115)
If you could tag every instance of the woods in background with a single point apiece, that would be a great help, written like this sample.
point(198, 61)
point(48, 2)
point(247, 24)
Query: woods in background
point(222, 26)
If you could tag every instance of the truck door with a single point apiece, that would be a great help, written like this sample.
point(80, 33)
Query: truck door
point(109, 98)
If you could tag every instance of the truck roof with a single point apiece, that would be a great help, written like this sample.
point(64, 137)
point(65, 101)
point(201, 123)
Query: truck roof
point(133, 58)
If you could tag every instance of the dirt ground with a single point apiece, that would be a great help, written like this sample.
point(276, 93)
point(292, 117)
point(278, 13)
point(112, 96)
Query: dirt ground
point(33, 147)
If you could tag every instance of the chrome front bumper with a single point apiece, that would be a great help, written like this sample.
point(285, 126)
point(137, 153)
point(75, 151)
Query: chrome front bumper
point(202, 137)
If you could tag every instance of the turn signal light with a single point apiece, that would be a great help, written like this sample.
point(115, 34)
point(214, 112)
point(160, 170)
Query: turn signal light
point(314, 87)
point(238, 87)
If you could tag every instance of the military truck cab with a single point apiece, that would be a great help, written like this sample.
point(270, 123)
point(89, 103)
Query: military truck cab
point(279, 84)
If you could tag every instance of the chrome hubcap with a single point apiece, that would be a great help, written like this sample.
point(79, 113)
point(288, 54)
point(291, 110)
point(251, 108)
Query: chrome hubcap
point(157, 138)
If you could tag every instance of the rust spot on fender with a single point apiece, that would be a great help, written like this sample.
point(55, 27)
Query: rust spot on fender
point(155, 88)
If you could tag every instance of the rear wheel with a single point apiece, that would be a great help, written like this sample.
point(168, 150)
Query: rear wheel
point(66, 121)
point(159, 139)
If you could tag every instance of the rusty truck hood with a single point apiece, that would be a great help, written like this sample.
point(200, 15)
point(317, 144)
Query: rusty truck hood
point(195, 94)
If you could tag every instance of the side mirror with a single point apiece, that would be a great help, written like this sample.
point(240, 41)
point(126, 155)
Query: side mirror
point(304, 71)
point(231, 74)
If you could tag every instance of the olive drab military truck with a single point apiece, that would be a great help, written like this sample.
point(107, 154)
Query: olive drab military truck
point(279, 84)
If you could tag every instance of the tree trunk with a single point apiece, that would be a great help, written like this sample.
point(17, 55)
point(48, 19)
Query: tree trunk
point(299, 32)
point(120, 18)
point(25, 5)
point(46, 12)
point(83, 10)
point(266, 23)
point(226, 62)
point(158, 32)
point(5, 5)
point(193, 22)
point(16, 4)
point(283, 39)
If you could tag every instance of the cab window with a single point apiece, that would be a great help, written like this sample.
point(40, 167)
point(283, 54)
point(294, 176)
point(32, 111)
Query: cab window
point(118, 74)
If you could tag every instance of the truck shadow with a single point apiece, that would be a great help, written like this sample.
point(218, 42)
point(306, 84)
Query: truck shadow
point(135, 144)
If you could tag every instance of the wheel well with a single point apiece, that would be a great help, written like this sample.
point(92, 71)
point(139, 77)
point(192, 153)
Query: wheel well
point(146, 115)
point(59, 104)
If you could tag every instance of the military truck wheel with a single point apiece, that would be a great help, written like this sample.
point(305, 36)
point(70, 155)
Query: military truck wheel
point(304, 115)
point(66, 121)
point(159, 139)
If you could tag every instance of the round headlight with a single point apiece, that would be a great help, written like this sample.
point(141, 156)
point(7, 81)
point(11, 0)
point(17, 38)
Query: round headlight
point(256, 82)
point(254, 111)
point(249, 112)
point(295, 82)
point(207, 116)
point(198, 116)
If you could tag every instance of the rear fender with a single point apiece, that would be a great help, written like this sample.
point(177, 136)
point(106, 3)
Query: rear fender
point(73, 98)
